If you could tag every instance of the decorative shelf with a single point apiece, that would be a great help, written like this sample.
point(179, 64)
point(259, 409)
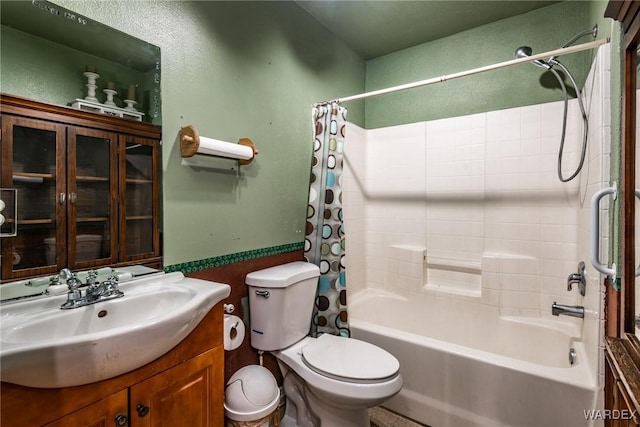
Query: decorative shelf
point(83, 104)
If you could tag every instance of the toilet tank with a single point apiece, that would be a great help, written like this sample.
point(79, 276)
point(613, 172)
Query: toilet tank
point(281, 302)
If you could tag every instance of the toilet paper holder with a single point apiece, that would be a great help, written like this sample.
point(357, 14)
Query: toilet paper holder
point(234, 332)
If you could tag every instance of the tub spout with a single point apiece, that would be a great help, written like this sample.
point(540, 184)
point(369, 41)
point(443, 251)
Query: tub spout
point(567, 310)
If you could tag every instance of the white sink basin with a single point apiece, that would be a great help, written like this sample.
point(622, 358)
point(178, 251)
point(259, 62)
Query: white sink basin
point(44, 346)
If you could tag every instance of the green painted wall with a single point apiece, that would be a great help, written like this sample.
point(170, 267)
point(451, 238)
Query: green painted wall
point(253, 69)
point(236, 69)
point(542, 29)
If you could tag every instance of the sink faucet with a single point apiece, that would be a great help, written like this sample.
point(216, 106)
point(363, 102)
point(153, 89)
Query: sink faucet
point(567, 310)
point(95, 291)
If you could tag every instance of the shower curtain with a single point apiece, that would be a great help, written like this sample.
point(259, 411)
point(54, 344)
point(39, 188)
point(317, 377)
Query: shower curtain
point(324, 241)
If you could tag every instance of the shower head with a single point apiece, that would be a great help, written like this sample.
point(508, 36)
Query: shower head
point(525, 51)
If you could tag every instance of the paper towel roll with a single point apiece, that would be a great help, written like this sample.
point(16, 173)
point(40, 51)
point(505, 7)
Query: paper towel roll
point(233, 332)
point(216, 147)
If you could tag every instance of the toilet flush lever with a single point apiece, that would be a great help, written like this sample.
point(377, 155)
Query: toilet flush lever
point(264, 294)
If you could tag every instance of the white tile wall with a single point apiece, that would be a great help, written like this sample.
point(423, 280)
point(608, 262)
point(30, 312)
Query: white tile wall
point(481, 194)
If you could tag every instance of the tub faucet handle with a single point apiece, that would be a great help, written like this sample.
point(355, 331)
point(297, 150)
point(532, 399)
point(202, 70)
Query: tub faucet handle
point(578, 278)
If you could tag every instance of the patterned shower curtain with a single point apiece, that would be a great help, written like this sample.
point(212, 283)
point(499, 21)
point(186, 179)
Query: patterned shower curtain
point(324, 241)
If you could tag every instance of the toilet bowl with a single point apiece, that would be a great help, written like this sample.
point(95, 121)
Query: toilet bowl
point(342, 377)
point(330, 380)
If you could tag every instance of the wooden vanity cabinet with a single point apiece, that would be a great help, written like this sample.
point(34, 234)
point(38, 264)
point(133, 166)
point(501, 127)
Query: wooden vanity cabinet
point(185, 387)
point(622, 382)
point(87, 185)
point(181, 396)
point(108, 412)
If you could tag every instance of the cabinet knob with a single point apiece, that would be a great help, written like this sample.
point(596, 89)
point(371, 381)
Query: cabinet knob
point(62, 197)
point(142, 410)
point(72, 198)
point(121, 420)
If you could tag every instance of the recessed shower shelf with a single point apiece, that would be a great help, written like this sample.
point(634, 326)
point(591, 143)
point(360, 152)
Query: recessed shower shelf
point(454, 265)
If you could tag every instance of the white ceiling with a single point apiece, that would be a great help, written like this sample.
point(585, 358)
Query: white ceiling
point(374, 28)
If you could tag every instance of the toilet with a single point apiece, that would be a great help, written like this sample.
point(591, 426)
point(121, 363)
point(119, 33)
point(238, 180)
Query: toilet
point(329, 381)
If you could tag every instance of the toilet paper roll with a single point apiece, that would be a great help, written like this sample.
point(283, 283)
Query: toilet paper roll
point(233, 332)
point(216, 147)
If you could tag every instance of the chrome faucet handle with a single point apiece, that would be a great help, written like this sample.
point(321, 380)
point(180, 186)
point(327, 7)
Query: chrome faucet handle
point(111, 285)
point(73, 283)
point(65, 274)
point(578, 278)
point(55, 280)
point(94, 290)
point(92, 275)
point(573, 278)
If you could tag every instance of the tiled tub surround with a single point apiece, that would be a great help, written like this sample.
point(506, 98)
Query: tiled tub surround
point(467, 215)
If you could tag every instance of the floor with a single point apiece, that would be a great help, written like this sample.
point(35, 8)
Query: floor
point(381, 417)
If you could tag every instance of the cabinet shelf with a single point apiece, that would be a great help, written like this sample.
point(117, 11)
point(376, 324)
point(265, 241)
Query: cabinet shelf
point(32, 178)
point(92, 178)
point(139, 181)
point(139, 218)
point(35, 221)
point(93, 219)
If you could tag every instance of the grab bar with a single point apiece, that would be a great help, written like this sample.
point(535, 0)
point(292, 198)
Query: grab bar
point(595, 231)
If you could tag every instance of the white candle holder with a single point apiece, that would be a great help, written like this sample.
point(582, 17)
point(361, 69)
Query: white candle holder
point(109, 101)
point(91, 85)
point(130, 105)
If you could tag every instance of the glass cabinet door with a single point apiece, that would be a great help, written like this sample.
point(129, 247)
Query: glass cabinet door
point(33, 154)
point(139, 198)
point(92, 187)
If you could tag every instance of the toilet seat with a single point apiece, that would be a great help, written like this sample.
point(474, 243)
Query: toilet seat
point(350, 360)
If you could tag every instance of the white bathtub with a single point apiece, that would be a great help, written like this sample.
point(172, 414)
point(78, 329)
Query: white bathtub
point(477, 369)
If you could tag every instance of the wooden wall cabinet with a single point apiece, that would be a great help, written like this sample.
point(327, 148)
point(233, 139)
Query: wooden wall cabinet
point(185, 387)
point(88, 189)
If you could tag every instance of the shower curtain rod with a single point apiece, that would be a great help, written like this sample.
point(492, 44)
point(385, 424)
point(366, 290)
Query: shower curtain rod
point(557, 52)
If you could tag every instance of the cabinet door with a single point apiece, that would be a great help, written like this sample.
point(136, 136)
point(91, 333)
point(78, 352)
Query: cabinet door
point(190, 394)
point(92, 185)
point(108, 412)
point(139, 193)
point(33, 162)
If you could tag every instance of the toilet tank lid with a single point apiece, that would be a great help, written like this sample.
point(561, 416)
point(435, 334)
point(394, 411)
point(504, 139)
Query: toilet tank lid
point(283, 275)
